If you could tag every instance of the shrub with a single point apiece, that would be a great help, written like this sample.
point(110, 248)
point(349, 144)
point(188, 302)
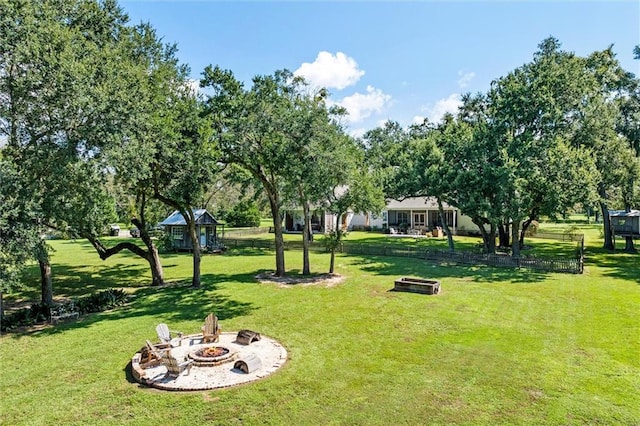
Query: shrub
point(244, 214)
point(25, 317)
point(95, 302)
point(101, 301)
point(165, 242)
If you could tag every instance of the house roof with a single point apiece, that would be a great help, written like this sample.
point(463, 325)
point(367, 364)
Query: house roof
point(415, 203)
point(176, 218)
point(624, 213)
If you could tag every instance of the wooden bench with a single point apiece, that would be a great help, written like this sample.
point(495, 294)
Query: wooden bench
point(417, 285)
point(57, 315)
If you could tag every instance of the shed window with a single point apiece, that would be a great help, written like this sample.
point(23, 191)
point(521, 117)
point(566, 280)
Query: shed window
point(177, 233)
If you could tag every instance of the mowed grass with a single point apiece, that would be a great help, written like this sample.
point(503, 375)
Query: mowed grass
point(497, 346)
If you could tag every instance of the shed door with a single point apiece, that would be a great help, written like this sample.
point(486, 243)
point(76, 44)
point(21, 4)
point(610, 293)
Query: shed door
point(203, 236)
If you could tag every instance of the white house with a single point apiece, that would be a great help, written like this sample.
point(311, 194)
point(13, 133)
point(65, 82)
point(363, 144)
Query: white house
point(417, 213)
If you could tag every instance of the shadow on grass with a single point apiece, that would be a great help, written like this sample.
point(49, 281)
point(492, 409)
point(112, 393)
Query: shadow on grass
point(617, 264)
point(174, 302)
point(398, 267)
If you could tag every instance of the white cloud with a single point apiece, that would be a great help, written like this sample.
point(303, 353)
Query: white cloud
point(332, 72)
point(441, 107)
point(465, 78)
point(194, 85)
point(358, 133)
point(418, 119)
point(361, 106)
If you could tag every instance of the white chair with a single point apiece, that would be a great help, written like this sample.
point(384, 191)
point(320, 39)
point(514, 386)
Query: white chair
point(164, 334)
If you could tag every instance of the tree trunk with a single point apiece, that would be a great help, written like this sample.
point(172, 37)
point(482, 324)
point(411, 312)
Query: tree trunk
point(628, 245)
point(332, 262)
point(151, 256)
point(306, 230)
point(46, 282)
point(503, 235)
point(157, 274)
point(195, 245)
point(606, 224)
point(525, 226)
point(277, 230)
point(445, 225)
point(488, 237)
point(515, 240)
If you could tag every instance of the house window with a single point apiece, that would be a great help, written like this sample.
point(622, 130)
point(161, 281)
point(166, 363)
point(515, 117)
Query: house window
point(177, 233)
point(403, 217)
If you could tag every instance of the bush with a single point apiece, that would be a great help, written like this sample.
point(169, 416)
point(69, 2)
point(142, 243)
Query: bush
point(101, 301)
point(165, 242)
point(36, 314)
point(244, 214)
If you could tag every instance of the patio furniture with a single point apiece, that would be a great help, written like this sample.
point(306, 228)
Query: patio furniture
point(210, 329)
point(164, 334)
point(150, 355)
point(246, 337)
point(248, 364)
point(175, 368)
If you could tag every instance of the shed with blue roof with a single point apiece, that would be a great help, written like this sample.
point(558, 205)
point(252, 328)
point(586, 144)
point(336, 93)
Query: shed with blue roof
point(206, 229)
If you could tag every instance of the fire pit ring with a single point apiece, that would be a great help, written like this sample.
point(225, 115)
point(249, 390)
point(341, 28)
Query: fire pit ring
point(212, 355)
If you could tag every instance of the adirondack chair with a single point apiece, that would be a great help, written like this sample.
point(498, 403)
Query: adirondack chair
point(164, 334)
point(210, 329)
point(151, 355)
point(175, 368)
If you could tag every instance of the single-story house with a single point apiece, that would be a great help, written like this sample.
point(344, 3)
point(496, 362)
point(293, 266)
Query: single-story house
point(625, 223)
point(206, 229)
point(416, 213)
point(321, 220)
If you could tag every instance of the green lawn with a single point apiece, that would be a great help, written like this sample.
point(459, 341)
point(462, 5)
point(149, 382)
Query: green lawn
point(495, 347)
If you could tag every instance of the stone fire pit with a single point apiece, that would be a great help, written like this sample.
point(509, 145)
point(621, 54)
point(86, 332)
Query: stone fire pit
point(211, 355)
point(212, 368)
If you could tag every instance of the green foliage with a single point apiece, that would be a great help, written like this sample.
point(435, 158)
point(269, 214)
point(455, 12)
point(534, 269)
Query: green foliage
point(101, 301)
point(165, 242)
point(18, 233)
point(37, 313)
point(244, 214)
point(332, 241)
point(25, 317)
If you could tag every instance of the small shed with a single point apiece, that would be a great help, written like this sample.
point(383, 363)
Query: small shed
point(206, 229)
point(625, 223)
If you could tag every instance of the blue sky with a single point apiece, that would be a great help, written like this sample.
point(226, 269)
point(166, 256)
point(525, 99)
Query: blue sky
point(387, 60)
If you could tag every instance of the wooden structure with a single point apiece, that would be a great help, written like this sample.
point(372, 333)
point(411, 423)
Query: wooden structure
point(150, 355)
point(248, 364)
point(417, 285)
point(210, 329)
point(625, 223)
point(246, 337)
point(206, 229)
point(164, 334)
point(175, 368)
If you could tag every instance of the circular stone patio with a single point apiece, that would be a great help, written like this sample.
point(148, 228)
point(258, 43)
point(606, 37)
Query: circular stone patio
point(202, 377)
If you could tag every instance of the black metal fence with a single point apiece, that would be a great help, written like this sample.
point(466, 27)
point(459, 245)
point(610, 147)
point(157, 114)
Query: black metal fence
point(563, 265)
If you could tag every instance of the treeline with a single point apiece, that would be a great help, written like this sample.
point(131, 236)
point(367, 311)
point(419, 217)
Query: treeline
point(555, 133)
